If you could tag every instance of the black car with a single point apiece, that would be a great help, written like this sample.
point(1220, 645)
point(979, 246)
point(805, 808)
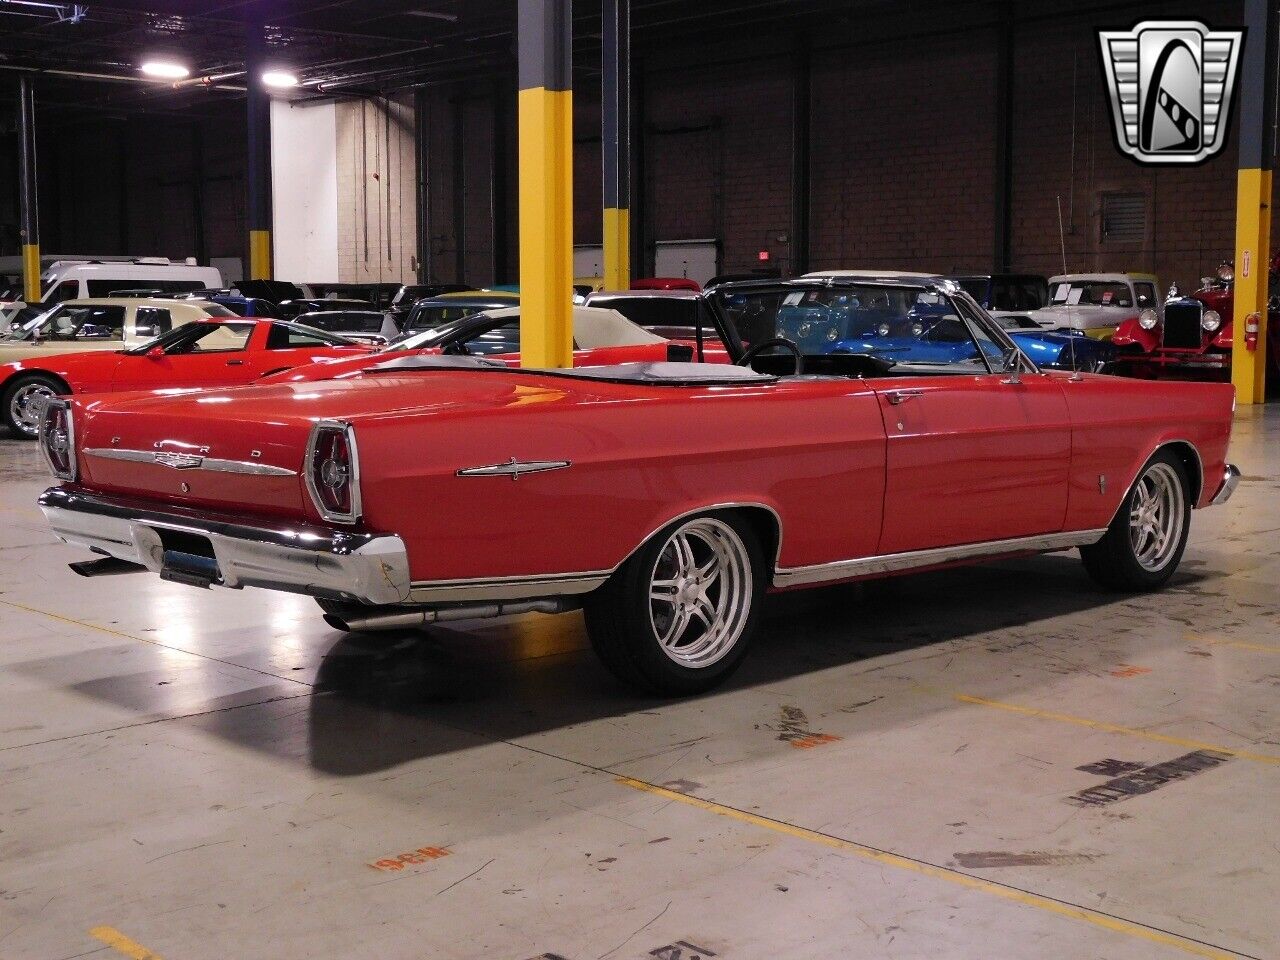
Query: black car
point(289, 309)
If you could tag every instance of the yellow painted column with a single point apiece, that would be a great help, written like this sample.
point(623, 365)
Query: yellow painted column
point(1253, 197)
point(31, 272)
point(259, 254)
point(617, 248)
point(546, 183)
point(1253, 256)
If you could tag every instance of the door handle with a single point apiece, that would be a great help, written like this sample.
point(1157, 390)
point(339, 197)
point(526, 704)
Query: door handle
point(235, 363)
point(897, 397)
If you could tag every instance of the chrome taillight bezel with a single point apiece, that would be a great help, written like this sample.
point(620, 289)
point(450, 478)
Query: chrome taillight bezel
point(47, 436)
point(348, 432)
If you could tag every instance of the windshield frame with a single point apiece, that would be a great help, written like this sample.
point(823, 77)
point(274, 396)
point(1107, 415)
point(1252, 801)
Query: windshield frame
point(972, 312)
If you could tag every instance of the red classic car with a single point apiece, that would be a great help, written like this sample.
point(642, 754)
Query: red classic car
point(213, 353)
point(1194, 338)
point(662, 498)
point(599, 337)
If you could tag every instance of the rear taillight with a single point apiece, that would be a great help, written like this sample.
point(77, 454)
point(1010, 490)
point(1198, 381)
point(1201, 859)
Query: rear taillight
point(58, 438)
point(333, 471)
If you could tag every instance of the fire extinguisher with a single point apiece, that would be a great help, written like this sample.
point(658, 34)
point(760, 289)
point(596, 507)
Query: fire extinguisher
point(1251, 323)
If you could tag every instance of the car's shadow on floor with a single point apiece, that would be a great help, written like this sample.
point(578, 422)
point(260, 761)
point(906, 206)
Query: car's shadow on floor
point(383, 700)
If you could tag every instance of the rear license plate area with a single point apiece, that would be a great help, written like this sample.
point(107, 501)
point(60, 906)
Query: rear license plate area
point(188, 558)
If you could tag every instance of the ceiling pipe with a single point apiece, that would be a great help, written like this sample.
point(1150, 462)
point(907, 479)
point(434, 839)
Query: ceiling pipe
point(112, 77)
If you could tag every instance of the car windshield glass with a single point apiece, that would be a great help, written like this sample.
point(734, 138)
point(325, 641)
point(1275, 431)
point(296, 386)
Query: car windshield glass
point(435, 335)
point(903, 325)
point(200, 337)
point(428, 316)
point(1017, 323)
point(1091, 293)
point(360, 321)
point(667, 316)
point(72, 322)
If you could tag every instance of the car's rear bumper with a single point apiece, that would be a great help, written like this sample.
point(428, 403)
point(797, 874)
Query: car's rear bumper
point(1230, 480)
point(316, 561)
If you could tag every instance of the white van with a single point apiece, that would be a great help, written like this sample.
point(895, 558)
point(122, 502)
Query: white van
point(80, 279)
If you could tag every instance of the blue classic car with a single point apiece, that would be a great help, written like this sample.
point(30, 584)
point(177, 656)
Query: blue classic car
point(909, 326)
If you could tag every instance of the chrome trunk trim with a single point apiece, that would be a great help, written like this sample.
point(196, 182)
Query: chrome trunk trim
point(319, 562)
point(189, 461)
point(1230, 480)
point(888, 563)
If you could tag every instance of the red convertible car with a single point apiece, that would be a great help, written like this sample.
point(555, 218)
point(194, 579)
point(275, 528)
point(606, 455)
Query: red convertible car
point(214, 353)
point(662, 498)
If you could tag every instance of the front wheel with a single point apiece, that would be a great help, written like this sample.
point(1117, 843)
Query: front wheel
point(1145, 542)
point(676, 618)
point(23, 402)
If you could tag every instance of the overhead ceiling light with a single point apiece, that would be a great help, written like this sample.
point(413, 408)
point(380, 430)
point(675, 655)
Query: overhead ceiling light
point(165, 69)
point(279, 78)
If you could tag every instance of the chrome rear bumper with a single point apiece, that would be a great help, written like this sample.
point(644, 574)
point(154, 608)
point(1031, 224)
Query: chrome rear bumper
point(319, 562)
point(1230, 480)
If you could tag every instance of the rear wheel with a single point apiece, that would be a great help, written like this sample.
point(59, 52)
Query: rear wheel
point(23, 402)
point(677, 617)
point(1145, 542)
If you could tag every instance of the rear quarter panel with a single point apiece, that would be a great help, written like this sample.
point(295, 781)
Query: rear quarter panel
point(811, 452)
point(1116, 426)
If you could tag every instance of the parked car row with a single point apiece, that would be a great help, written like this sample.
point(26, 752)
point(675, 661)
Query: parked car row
point(762, 435)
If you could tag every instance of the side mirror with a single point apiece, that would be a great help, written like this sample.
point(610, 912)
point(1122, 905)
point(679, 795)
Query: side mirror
point(155, 353)
point(1012, 365)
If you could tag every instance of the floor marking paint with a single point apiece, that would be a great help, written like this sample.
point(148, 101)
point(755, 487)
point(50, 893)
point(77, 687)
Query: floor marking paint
point(402, 860)
point(1126, 670)
point(1117, 728)
point(1243, 645)
point(117, 941)
point(1105, 921)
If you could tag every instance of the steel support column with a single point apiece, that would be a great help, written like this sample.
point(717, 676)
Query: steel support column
point(258, 171)
point(615, 113)
point(27, 200)
point(801, 128)
point(1002, 212)
point(546, 182)
point(421, 164)
point(1257, 91)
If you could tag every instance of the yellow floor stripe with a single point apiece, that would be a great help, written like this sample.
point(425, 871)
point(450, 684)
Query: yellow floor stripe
point(1116, 728)
point(117, 941)
point(941, 873)
point(1242, 645)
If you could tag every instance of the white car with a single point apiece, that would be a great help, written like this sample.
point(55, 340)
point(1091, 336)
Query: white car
point(1097, 303)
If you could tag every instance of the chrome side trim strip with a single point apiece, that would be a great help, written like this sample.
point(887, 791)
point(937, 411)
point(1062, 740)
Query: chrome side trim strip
point(189, 461)
point(507, 588)
point(1230, 480)
point(888, 563)
point(514, 468)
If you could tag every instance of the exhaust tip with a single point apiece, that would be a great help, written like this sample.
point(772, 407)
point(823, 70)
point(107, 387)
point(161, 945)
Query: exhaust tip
point(337, 622)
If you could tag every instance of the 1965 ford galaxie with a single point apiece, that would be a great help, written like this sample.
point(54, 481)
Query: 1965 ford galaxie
point(662, 498)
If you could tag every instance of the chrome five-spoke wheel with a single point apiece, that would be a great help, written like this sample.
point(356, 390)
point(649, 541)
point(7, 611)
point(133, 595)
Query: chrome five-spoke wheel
point(1144, 543)
point(1157, 514)
point(698, 592)
point(677, 616)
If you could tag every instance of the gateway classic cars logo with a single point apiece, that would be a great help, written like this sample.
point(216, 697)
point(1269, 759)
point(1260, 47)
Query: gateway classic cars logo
point(1171, 88)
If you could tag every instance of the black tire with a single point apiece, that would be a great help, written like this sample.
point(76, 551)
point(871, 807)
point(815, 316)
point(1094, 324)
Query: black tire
point(16, 402)
point(1124, 559)
point(623, 619)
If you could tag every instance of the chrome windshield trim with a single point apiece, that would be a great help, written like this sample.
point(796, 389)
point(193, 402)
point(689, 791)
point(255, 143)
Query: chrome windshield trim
point(888, 563)
point(186, 461)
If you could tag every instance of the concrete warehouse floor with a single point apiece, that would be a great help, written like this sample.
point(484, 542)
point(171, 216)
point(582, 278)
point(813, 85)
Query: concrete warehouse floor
point(912, 768)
